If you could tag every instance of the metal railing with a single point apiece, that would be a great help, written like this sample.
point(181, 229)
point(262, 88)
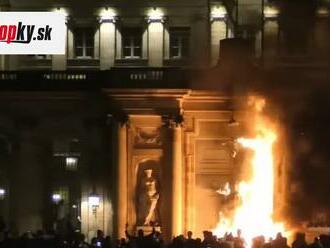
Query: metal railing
point(115, 78)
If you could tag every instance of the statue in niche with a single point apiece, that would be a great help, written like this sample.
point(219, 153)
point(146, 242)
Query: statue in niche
point(147, 199)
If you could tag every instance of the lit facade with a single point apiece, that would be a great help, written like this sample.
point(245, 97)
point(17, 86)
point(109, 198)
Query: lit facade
point(141, 86)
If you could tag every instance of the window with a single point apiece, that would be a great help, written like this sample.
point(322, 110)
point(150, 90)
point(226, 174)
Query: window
point(132, 43)
point(66, 154)
point(179, 43)
point(84, 43)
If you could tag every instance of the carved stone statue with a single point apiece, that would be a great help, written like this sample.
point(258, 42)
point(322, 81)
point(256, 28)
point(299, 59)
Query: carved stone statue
point(147, 200)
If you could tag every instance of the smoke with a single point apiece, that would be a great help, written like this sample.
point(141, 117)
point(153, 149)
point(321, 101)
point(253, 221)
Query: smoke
point(306, 120)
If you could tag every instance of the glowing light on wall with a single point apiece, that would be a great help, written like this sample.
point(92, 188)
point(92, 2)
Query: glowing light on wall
point(108, 14)
point(323, 12)
point(94, 200)
point(218, 13)
point(155, 15)
point(71, 163)
point(2, 193)
point(271, 12)
point(62, 11)
point(56, 198)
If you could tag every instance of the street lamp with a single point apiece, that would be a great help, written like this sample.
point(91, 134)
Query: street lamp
point(56, 198)
point(2, 193)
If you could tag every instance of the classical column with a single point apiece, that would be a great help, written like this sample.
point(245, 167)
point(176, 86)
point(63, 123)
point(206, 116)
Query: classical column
point(177, 177)
point(59, 62)
point(218, 32)
point(107, 42)
point(2, 62)
point(121, 213)
point(70, 43)
point(156, 43)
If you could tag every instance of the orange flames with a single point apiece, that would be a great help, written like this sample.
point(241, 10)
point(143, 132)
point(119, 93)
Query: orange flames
point(254, 215)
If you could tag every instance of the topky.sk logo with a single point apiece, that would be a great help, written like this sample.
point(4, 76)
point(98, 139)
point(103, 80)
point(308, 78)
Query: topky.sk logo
point(32, 33)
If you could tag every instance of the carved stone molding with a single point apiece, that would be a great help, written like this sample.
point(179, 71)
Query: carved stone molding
point(147, 137)
point(121, 118)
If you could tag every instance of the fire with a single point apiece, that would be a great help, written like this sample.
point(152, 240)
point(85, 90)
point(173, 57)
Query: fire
point(254, 215)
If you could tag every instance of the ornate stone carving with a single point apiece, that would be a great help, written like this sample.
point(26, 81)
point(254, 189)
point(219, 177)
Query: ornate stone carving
point(148, 195)
point(147, 136)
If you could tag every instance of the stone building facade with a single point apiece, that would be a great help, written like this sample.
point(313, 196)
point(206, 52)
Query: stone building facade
point(140, 87)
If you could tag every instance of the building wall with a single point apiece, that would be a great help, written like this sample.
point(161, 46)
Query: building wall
point(208, 25)
point(194, 156)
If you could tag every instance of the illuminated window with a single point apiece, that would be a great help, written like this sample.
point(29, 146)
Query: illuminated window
point(66, 154)
point(84, 43)
point(179, 43)
point(132, 43)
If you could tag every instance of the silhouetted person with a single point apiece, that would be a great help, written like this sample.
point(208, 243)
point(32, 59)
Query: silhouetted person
point(239, 242)
point(316, 244)
point(198, 243)
point(141, 240)
point(108, 242)
point(258, 242)
point(279, 241)
point(300, 241)
point(190, 242)
point(325, 240)
point(209, 241)
point(99, 240)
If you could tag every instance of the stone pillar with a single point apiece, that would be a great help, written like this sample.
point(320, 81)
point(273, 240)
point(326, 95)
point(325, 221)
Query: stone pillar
point(97, 43)
point(218, 32)
point(27, 186)
point(258, 44)
point(107, 43)
point(271, 48)
point(59, 62)
point(70, 44)
point(121, 213)
point(3, 62)
point(156, 43)
point(96, 179)
point(177, 177)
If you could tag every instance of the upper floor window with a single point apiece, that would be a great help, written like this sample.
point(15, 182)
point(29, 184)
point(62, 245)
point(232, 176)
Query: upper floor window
point(179, 42)
point(132, 43)
point(84, 43)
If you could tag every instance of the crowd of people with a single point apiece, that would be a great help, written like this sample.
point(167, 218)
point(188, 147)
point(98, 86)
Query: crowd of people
point(154, 239)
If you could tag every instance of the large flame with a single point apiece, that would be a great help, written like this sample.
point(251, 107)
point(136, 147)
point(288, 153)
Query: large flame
point(254, 215)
